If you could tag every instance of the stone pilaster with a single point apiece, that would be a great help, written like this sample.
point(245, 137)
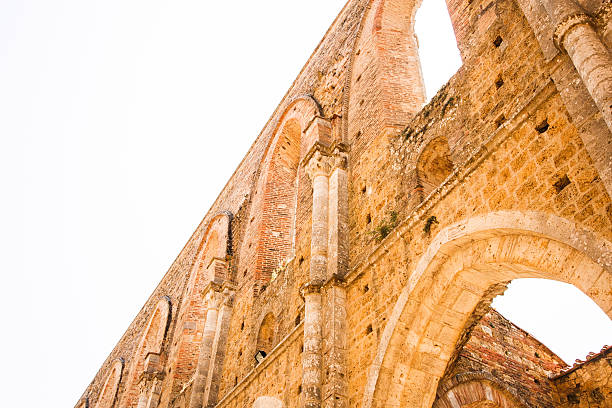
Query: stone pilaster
point(213, 298)
point(311, 357)
point(333, 292)
point(574, 33)
point(318, 167)
point(325, 310)
point(338, 215)
point(211, 392)
point(334, 344)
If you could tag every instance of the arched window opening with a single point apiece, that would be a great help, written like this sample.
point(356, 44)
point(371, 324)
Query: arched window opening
point(148, 354)
point(438, 52)
point(515, 362)
point(265, 337)
point(558, 314)
point(277, 230)
point(434, 165)
point(465, 267)
point(109, 389)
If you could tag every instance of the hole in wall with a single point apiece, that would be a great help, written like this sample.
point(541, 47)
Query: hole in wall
point(562, 183)
point(368, 219)
point(301, 261)
point(366, 288)
point(364, 189)
point(499, 82)
point(542, 127)
point(500, 120)
point(369, 329)
point(498, 41)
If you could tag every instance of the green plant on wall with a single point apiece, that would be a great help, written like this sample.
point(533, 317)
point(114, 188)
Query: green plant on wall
point(385, 227)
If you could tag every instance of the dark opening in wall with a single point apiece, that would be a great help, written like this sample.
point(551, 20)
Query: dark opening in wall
point(562, 183)
point(542, 127)
point(499, 82)
point(498, 41)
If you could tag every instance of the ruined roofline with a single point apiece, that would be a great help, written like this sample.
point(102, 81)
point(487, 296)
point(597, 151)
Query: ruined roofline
point(544, 346)
point(591, 357)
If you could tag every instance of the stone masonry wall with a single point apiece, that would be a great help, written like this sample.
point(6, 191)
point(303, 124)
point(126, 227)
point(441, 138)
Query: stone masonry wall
point(500, 136)
point(587, 385)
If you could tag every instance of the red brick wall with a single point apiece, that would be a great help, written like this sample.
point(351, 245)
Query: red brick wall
point(510, 355)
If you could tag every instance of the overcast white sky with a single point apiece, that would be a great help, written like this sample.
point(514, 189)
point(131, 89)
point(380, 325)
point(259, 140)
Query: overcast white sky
point(120, 122)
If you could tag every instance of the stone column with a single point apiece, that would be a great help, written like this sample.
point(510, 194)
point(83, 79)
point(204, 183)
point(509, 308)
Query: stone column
point(213, 300)
point(211, 391)
point(334, 293)
point(318, 166)
point(575, 34)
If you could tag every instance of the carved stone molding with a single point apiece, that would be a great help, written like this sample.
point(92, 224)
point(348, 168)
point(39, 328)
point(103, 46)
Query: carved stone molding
point(566, 25)
point(320, 164)
point(322, 159)
point(310, 287)
point(213, 295)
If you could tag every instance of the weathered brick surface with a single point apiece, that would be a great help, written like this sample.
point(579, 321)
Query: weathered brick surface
point(511, 356)
point(421, 216)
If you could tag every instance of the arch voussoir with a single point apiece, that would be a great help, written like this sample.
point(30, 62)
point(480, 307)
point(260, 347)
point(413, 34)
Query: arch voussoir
point(464, 266)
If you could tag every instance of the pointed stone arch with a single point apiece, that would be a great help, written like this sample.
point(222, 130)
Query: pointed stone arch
point(272, 228)
point(476, 389)
point(210, 267)
point(457, 271)
point(385, 57)
point(148, 355)
point(108, 393)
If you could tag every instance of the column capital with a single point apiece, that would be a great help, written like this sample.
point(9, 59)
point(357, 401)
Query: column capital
point(319, 164)
point(213, 295)
point(566, 25)
point(322, 159)
point(310, 287)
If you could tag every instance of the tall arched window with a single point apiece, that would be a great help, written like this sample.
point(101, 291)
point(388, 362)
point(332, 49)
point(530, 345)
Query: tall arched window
point(149, 350)
point(436, 44)
point(277, 229)
point(109, 389)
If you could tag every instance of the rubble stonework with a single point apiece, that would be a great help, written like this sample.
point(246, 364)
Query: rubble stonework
point(351, 257)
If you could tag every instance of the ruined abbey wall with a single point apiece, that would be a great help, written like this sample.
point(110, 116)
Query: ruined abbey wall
point(358, 245)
